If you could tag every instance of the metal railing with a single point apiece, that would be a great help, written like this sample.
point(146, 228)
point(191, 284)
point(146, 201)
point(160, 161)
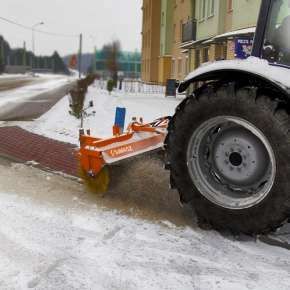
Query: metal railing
point(133, 86)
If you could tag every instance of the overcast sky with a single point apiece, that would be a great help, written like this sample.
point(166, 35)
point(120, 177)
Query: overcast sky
point(99, 20)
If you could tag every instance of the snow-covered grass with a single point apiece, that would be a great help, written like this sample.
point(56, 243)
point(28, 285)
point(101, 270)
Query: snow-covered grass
point(59, 124)
point(62, 240)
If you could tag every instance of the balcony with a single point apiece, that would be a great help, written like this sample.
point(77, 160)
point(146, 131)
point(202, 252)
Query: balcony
point(189, 31)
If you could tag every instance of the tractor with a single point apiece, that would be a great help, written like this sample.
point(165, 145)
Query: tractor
point(228, 144)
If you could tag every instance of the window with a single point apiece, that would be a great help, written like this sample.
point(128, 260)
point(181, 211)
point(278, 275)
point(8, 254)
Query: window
point(162, 19)
point(202, 9)
point(230, 5)
point(277, 38)
point(197, 58)
point(225, 51)
point(210, 8)
point(173, 67)
point(205, 55)
point(174, 32)
point(180, 29)
point(186, 66)
point(179, 66)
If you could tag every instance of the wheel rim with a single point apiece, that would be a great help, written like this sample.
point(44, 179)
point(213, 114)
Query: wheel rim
point(231, 162)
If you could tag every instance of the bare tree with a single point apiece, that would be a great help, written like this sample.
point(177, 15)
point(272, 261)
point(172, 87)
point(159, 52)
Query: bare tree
point(111, 53)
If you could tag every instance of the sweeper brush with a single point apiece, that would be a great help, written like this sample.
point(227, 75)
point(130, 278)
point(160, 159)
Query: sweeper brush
point(95, 154)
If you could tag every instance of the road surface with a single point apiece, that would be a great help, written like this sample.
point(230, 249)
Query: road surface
point(55, 235)
point(10, 83)
point(41, 100)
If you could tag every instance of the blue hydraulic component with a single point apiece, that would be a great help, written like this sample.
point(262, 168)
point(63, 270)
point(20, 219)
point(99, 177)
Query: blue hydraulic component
point(120, 118)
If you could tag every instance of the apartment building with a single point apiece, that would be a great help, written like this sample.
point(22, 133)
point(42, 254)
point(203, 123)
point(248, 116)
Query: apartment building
point(151, 40)
point(166, 38)
point(179, 35)
point(225, 30)
point(184, 31)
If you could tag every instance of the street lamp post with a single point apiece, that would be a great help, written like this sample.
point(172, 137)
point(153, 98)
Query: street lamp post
point(33, 39)
point(94, 64)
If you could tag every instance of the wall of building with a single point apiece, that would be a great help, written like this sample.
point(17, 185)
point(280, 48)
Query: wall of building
point(209, 23)
point(183, 11)
point(176, 57)
point(227, 16)
point(166, 27)
point(166, 33)
point(245, 13)
point(151, 40)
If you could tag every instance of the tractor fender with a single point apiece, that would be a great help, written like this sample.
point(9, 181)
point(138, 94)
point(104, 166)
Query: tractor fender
point(252, 69)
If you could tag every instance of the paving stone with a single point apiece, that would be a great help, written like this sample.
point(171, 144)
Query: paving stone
point(25, 146)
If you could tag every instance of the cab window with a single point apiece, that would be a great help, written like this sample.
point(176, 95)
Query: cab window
point(277, 38)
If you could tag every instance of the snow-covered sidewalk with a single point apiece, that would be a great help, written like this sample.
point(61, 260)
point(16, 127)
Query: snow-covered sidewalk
point(59, 124)
point(54, 237)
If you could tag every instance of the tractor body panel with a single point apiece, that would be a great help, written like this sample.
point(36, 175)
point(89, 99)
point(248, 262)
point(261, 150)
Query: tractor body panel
point(252, 67)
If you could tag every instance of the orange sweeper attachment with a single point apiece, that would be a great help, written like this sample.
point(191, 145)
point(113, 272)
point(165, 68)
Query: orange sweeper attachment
point(95, 153)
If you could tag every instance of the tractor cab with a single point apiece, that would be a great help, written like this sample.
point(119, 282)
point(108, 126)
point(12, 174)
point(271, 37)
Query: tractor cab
point(273, 32)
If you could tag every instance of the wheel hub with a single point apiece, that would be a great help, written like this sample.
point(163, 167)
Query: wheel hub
point(231, 162)
point(236, 159)
point(239, 157)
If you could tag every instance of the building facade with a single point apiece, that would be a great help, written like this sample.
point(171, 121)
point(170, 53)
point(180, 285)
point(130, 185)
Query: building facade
point(129, 64)
point(225, 30)
point(184, 31)
point(166, 37)
point(193, 32)
point(151, 40)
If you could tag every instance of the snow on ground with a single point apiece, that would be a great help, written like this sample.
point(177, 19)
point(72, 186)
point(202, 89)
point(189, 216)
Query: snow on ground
point(44, 83)
point(53, 237)
point(13, 76)
point(59, 124)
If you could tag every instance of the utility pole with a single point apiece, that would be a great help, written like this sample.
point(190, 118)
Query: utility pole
point(80, 55)
point(2, 52)
point(33, 40)
point(136, 63)
point(95, 60)
point(24, 54)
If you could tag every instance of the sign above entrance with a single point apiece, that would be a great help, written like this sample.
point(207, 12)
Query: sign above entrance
point(243, 47)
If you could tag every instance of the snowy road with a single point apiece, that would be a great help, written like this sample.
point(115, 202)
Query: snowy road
point(8, 83)
point(53, 235)
point(28, 98)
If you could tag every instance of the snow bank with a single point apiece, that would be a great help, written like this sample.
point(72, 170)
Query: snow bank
point(59, 124)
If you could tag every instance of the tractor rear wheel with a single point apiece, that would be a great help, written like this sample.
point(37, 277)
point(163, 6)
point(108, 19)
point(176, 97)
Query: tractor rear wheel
point(229, 156)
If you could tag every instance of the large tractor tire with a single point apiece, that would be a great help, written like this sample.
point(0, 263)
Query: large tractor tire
point(229, 156)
